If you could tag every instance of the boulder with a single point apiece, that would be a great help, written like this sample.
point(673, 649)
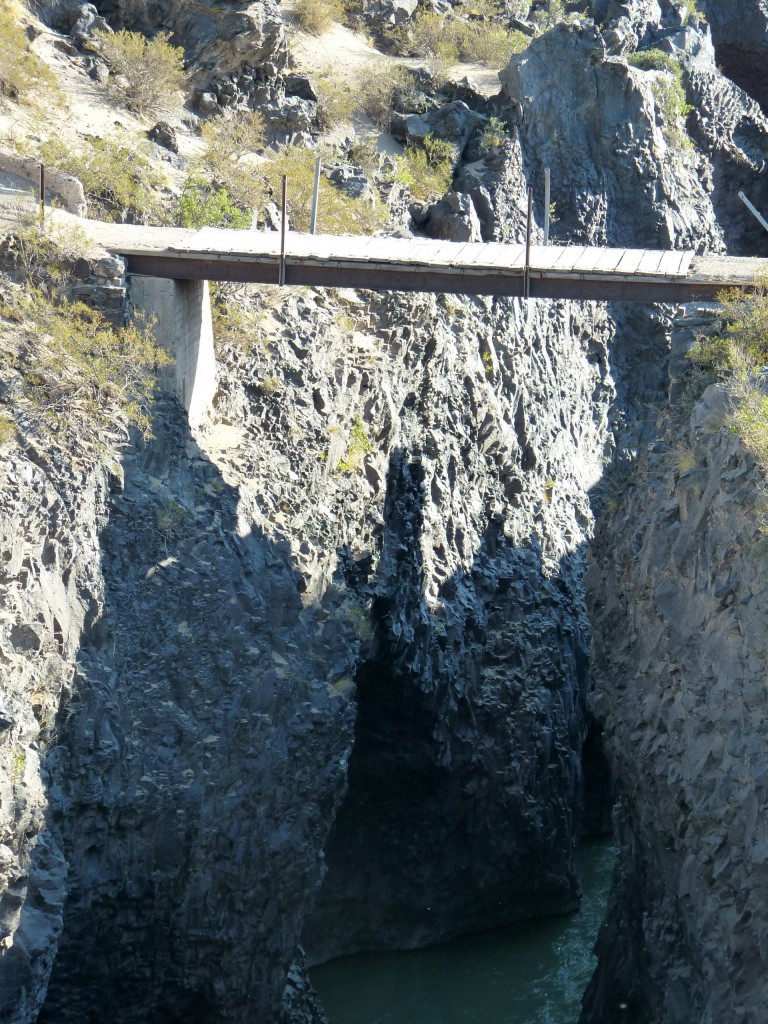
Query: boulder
point(454, 218)
point(163, 135)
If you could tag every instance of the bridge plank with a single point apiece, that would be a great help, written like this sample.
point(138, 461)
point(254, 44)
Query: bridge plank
point(649, 264)
point(630, 261)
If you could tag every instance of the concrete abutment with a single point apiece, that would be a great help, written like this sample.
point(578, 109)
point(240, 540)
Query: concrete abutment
point(181, 311)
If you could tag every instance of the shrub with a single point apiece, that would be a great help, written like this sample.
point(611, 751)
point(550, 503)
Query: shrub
point(234, 323)
point(495, 133)
point(670, 99)
point(492, 45)
point(45, 254)
point(550, 15)
point(79, 373)
point(445, 41)
point(693, 14)
point(740, 357)
point(202, 205)
point(375, 88)
point(23, 75)
point(7, 430)
point(150, 71)
point(338, 213)
point(317, 16)
point(116, 173)
point(427, 171)
point(654, 60)
point(668, 91)
point(335, 102)
point(359, 446)
point(228, 142)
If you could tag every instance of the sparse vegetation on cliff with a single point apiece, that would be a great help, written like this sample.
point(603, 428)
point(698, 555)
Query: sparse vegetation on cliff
point(148, 73)
point(443, 41)
point(79, 375)
point(427, 171)
point(317, 16)
point(23, 75)
point(116, 173)
point(739, 357)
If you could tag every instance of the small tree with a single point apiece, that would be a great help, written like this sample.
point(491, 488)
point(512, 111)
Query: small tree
point(150, 71)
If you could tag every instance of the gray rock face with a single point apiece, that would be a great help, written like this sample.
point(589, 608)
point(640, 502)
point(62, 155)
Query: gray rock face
point(454, 218)
point(619, 174)
point(678, 608)
point(231, 49)
point(389, 12)
point(154, 725)
point(740, 35)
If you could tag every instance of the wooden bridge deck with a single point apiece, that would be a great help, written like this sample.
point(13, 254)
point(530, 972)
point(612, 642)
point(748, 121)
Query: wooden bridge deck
point(417, 264)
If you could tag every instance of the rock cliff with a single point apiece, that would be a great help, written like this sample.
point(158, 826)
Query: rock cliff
point(320, 670)
point(678, 607)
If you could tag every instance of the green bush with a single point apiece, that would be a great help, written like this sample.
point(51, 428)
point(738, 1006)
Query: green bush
point(360, 444)
point(338, 213)
point(335, 102)
point(116, 173)
point(317, 16)
point(23, 75)
point(740, 357)
point(229, 144)
point(7, 430)
point(654, 60)
point(495, 133)
point(443, 41)
point(203, 205)
point(375, 88)
point(668, 91)
point(427, 171)
point(80, 374)
point(670, 99)
point(149, 72)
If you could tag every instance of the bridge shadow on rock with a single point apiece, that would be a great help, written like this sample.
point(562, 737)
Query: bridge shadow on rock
point(464, 803)
point(195, 723)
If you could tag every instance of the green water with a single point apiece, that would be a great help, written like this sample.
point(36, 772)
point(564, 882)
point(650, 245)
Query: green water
point(529, 973)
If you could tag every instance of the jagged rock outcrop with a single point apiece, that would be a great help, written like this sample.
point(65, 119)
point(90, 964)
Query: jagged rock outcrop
point(621, 175)
point(678, 608)
point(234, 50)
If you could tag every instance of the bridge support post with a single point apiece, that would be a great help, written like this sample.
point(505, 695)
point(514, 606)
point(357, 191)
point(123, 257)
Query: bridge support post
point(183, 327)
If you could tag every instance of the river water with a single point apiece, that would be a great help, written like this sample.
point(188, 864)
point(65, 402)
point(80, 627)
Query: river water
point(530, 973)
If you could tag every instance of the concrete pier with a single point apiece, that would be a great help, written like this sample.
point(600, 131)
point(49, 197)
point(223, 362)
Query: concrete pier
point(182, 314)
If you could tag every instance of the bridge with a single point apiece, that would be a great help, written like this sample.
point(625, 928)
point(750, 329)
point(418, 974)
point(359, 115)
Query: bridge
point(169, 270)
point(426, 265)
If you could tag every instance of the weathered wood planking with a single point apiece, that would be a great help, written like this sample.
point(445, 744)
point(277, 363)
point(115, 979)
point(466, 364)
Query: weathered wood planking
point(483, 268)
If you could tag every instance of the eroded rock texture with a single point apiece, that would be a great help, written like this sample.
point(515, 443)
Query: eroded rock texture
point(178, 804)
point(678, 608)
point(740, 34)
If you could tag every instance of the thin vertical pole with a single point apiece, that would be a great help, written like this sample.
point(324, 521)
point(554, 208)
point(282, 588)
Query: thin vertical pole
point(546, 205)
point(42, 194)
point(315, 197)
point(753, 210)
point(281, 275)
point(527, 273)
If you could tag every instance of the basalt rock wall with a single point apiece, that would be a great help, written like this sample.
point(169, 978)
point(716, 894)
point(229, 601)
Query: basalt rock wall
point(678, 607)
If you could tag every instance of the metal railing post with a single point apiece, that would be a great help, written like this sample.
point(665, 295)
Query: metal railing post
point(527, 272)
point(546, 205)
point(315, 197)
point(42, 195)
point(283, 217)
